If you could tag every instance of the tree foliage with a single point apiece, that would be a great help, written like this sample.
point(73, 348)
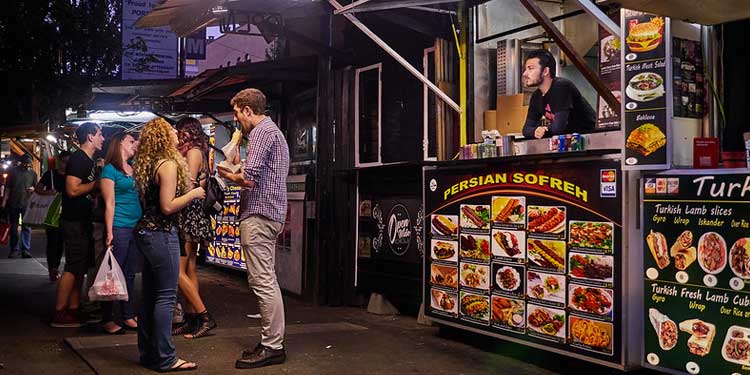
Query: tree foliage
point(61, 47)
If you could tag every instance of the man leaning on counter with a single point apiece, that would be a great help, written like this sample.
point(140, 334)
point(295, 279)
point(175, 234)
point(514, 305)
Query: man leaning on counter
point(556, 107)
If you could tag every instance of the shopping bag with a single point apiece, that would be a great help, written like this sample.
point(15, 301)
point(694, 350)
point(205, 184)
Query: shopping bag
point(36, 209)
point(4, 233)
point(52, 220)
point(109, 284)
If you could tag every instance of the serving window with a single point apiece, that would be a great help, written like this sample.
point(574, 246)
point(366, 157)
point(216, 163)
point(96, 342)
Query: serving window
point(367, 123)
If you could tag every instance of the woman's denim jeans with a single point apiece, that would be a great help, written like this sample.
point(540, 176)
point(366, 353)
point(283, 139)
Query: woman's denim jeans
point(161, 255)
point(127, 255)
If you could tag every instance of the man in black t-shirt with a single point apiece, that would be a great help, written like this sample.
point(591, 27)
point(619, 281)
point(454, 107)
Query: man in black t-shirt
point(556, 107)
point(75, 224)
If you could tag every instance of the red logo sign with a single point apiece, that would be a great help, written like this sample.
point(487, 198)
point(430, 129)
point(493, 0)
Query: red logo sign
point(608, 175)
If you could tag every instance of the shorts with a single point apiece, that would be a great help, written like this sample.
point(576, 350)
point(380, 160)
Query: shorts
point(79, 246)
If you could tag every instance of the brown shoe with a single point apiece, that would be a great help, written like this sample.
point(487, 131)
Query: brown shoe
point(250, 352)
point(63, 319)
point(263, 357)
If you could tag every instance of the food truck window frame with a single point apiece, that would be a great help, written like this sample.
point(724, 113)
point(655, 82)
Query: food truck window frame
point(426, 108)
point(379, 67)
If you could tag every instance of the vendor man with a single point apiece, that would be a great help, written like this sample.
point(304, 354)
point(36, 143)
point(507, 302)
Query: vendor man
point(556, 107)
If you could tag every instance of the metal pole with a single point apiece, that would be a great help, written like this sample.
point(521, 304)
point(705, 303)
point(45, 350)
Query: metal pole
point(600, 17)
point(350, 6)
point(396, 56)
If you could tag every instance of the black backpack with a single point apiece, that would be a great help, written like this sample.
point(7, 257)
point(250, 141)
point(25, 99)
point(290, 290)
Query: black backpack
point(214, 202)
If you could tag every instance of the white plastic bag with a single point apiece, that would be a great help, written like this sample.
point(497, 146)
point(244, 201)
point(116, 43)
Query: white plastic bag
point(229, 150)
point(109, 284)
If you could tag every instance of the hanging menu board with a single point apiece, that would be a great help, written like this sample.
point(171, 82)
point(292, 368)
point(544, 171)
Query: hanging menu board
point(645, 80)
point(528, 254)
point(697, 273)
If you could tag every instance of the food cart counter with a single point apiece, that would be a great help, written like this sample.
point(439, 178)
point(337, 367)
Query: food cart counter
point(533, 249)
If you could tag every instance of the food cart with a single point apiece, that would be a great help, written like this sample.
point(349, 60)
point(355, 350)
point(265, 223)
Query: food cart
point(596, 254)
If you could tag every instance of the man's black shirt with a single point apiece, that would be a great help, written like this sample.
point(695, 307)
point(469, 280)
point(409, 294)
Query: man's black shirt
point(563, 107)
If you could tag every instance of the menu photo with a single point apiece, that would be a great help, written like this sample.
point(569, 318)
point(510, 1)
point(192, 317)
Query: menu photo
point(444, 303)
point(509, 245)
point(591, 268)
point(546, 221)
point(475, 276)
point(509, 314)
point(446, 251)
point(645, 37)
point(474, 247)
point(595, 236)
point(444, 226)
point(475, 307)
point(509, 279)
point(509, 211)
point(444, 276)
point(475, 218)
point(546, 255)
point(546, 288)
point(545, 322)
point(591, 300)
point(592, 335)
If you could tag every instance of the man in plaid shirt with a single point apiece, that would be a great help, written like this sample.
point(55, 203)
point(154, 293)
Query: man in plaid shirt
point(262, 214)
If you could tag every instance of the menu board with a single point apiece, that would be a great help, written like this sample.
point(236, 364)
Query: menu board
point(225, 249)
point(528, 253)
point(610, 66)
point(689, 87)
point(697, 273)
point(645, 79)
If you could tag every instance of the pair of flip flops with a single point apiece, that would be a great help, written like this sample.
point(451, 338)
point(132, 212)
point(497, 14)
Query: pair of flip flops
point(180, 365)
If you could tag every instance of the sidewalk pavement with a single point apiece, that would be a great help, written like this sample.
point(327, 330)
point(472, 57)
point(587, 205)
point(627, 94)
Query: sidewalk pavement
point(319, 340)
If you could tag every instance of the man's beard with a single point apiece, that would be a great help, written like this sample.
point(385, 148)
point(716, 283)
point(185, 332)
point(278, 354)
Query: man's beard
point(535, 82)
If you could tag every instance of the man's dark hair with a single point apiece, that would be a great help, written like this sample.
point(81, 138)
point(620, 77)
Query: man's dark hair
point(546, 60)
point(86, 129)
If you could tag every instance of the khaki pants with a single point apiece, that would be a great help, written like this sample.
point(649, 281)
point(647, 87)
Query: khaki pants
point(258, 237)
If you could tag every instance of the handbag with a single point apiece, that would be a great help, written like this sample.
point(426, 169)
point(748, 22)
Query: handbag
point(214, 201)
point(36, 209)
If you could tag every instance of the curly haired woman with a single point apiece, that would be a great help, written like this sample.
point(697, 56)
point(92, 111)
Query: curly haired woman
point(162, 181)
point(195, 229)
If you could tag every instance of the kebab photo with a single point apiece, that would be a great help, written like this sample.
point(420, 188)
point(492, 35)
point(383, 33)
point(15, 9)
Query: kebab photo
point(508, 243)
point(508, 209)
point(547, 254)
point(702, 336)
point(475, 216)
point(546, 219)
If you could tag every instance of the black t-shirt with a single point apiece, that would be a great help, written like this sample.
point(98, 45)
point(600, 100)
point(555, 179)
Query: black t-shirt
point(53, 179)
point(79, 208)
point(564, 109)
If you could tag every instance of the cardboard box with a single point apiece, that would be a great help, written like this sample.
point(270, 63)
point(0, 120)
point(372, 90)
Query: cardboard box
point(490, 120)
point(511, 114)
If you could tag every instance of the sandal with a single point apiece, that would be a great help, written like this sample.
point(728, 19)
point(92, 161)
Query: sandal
point(205, 323)
point(129, 327)
point(118, 331)
point(180, 365)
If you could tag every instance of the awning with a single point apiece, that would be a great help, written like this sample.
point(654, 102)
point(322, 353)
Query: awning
point(696, 11)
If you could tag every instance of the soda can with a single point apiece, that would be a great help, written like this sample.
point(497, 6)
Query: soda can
point(561, 143)
point(568, 142)
point(581, 142)
point(574, 142)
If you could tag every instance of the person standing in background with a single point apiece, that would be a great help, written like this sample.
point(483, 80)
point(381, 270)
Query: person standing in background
point(195, 230)
point(52, 183)
point(20, 185)
point(121, 213)
point(75, 224)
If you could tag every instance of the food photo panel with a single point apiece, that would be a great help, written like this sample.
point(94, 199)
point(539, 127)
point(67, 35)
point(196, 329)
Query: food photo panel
point(591, 235)
point(444, 302)
point(509, 313)
point(508, 279)
point(591, 300)
point(475, 247)
point(475, 276)
point(475, 307)
point(445, 276)
point(590, 334)
point(509, 212)
point(446, 251)
point(546, 255)
point(509, 245)
point(546, 287)
point(546, 221)
point(475, 217)
point(597, 269)
point(444, 226)
point(547, 323)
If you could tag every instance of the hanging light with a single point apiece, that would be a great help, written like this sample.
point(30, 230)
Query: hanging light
point(52, 138)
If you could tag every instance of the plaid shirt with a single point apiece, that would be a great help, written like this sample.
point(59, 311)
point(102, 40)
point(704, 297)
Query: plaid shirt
point(267, 164)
